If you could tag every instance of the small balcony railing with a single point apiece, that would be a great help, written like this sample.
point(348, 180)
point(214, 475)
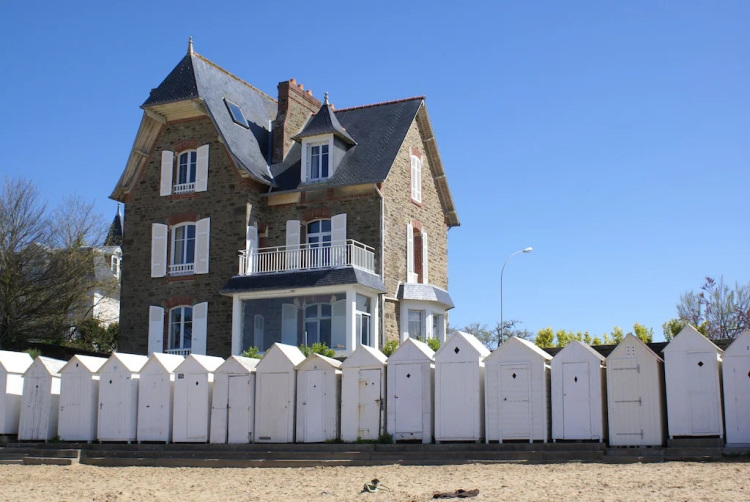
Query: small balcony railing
point(182, 269)
point(307, 257)
point(183, 188)
point(178, 352)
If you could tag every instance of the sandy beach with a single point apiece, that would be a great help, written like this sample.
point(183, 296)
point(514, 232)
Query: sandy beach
point(573, 481)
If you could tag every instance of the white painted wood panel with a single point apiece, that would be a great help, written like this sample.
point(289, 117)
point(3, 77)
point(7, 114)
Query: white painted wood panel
point(40, 401)
point(275, 394)
point(736, 372)
point(155, 397)
point(363, 394)
point(118, 397)
point(12, 367)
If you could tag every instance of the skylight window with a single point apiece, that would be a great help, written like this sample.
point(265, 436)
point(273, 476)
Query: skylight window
point(236, 112)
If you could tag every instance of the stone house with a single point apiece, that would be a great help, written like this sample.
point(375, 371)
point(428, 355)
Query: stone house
point(251, 220)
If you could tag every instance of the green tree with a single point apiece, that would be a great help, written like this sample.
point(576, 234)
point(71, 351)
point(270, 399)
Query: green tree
point(644, 334)
point(617, 335)
point(596, 341)
point(390, 347)
point(433, 343)
point(545, 338)
point(673, 327)
point(252, 352)
point(563, 337)
point(587, 338)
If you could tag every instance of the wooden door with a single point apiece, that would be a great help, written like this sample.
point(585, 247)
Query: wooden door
point(408, 399)
point(313, 407)
point(153, 421)
point(576, 401)
point(274, 407)
point(34, 425)
point(369, 404)
point(197, 406)
point(515, 401)
point(740, 375)
point(115, 391)
point(702, 372)
point(240, 406)
point(72, 423)
point(457, 407)
point(625, 402)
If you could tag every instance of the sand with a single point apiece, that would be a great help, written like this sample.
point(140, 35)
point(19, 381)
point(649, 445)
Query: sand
point(667, 481)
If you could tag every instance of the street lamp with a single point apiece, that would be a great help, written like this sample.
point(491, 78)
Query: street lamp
point(502, 328)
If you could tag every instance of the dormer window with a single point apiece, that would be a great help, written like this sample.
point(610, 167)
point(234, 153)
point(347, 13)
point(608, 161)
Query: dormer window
point(317, 159)
point(319, 165)
point(236, 112)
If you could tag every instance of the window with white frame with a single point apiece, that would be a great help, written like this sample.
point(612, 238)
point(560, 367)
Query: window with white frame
point(319, 243)
point(115, 265)
point(319, 166)
point(183, 249)
point(416, 179)
point(416, 325)
point(186, 168)
point(318, 324)
point(363, 321)
point(180, 327)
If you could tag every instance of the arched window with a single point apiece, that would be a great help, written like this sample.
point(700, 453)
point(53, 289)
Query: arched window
point(180, 327)
point(318, 323)
point(319, 243)
point(186, 164)
point(183, 249)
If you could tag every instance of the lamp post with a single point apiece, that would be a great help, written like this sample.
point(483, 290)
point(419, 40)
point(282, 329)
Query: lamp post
point(502, 328)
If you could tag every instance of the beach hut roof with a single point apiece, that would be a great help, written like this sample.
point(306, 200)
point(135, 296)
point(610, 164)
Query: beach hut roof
point(740, 345)
point(89, 362)
point(314, 359)
point(200, 362)
point(411, 349)
point(169, 362)
point(527, 345)
point(364, 355)
point(577, 345)
point(471, 340)
point(51, 366)
point(292, 353)
point(238, 364)
point(15, 362)
point(688, 338)
point(132, 362)
point(631, 339)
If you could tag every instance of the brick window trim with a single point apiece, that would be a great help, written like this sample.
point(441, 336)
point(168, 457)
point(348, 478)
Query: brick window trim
point(415, 151)
point(182, 146)
point(183, 196)
point(176, 301)
point(418, 204)
point(177, 218)
point(316, 214)
point(417, 225)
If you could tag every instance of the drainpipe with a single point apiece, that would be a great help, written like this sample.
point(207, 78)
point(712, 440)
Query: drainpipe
point(382, 265)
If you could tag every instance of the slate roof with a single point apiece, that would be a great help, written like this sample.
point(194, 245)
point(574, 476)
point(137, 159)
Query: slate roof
point(324, 122)
point(379, 130)
point(424, 292)
point(114, 236)
point(303, 279)
point(196, 77)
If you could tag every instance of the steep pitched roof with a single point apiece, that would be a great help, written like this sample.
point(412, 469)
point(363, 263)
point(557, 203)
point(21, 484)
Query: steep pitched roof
point(179, 85)
point(690, 338)
point(15, 362)
point(90, 363)
point(324, 122)
point(740, 346)
point(114, 236)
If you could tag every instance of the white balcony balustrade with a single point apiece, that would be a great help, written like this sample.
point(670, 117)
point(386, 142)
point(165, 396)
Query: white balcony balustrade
point(182, 269)
point(178, 352)
point(183, 188)
point(307, 257)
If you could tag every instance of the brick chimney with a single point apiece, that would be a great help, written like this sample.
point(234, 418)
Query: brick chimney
point(296, 106)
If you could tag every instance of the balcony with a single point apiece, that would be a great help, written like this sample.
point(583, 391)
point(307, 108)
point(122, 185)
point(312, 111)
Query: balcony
point(307, 257)
point(182, 269)
point(183, 188)
point(178, 352)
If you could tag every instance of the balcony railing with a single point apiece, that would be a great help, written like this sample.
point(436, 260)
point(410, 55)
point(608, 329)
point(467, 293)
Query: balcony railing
point(178, 352)
point(183, 269)
point(307, 257)
point(183, 188)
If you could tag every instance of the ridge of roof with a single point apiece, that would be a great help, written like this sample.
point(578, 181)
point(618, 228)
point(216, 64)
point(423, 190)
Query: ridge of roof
point(206, 60)
point(360, 107)
point(325, 122)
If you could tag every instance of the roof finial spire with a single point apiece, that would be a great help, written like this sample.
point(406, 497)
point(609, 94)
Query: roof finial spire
point(190, 45)
point(326, 101)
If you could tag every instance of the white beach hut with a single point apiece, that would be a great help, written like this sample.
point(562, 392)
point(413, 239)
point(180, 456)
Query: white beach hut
point(233, 403)
point(318, 399)
point(410, 377)
point(118, 397)
point(579, 390)
point(79, 397)
point(692, 370)
point(736, 370)
point(635, 395)
point(12, 367)
point(459, 389)
point(516, 386)
point(40, 401)
point(194, 381)
point(156, 396)
point(363, 394)
point(275, 383)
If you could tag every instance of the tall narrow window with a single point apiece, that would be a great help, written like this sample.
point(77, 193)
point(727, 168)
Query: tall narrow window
point(183, 249)
point(319, 243)
point(416, 179)
point(415, 324)
point(181, 329)
point(319, 165)
point(186, 165)
point(318, 323)
point(363, 320)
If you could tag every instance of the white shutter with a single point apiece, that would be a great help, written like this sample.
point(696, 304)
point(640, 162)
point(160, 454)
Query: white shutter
point(167, 165)
point(289, 324)
point(338, 239)
point(200, 328)
point(292, 244)
point(338, 325)
point(155, 329)
point(425, 261)
point(305, 162)
point(418, 179)
point(159, 234)
point(413, 177)
point(251, 247)
point(202, 241)
point(201, 169)
point(410, 253)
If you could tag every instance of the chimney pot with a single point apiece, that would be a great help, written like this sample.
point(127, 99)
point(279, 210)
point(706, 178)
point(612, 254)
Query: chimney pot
point(292, 80)
point(300, 87)
point(309, 92)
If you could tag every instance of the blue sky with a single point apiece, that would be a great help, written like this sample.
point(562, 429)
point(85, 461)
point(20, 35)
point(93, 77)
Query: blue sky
point(613, 139)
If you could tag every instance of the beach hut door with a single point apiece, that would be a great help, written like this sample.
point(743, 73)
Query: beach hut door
point(369, 404)
point(273, 391)
point(314, 406)
point(39, 392)
point(457, 411)
point(152, 393)
point(741, 396)
point(240, 412)
point(408, 399)
point(515, 401)
point(71, 417)
point(576, 403)
point(197, 406)
point(626, 399)
point(117, 388)
point(702, 374)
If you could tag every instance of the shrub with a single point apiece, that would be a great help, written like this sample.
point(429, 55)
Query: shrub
point(433, 343)
point(317, 348)
point(34, 353)
point(252, 352)
point(390, 347)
